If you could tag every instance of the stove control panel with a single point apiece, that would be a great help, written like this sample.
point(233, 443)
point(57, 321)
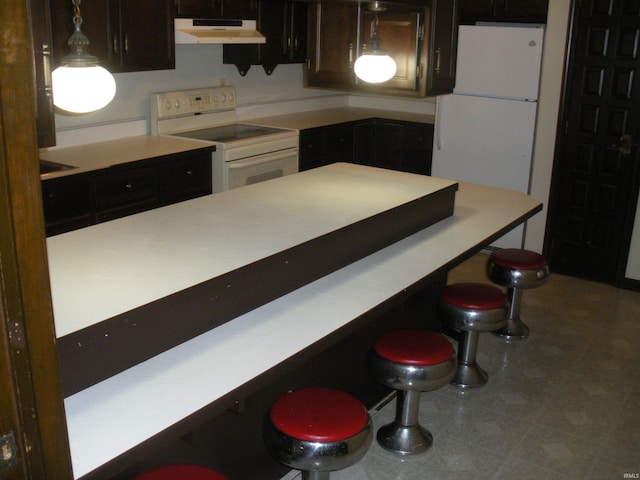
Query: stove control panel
point(188, 102)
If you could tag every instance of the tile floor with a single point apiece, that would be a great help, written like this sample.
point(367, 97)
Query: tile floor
point(562, 404)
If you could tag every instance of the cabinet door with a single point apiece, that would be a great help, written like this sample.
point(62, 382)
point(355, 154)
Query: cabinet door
point(338, 143)
point(332, 45)
point(239, 9)
point(184, 177)
point(379, 143)
point(418, 148)
point(125, 35)
point(284, 24)
point(142, 34)
point(197, 8)
point(401, 38)
point(477, 10)
point(526, 11)
point(443, 45)
point(529, 11)
point(67, 203)
point(40, 22)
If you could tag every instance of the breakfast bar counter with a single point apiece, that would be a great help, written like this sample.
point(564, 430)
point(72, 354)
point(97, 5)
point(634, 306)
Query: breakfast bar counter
point(110, 419)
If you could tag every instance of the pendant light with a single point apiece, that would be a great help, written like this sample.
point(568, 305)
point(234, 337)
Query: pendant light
point(80, 85)
point(374, 65)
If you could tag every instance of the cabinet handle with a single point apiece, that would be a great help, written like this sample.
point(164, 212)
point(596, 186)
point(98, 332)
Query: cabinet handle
point(115, 45)
point(46, 73)
point(126, 44)
point(437, 68)
point(128, 185)
point(46, 65)
point(189, 172)
point(350, 64)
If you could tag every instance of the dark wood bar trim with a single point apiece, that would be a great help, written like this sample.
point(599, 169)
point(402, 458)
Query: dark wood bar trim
point(95, 353)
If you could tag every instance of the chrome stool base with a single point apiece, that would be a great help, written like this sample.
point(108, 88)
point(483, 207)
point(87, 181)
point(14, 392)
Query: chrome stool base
point(515, 329)
point(469, 375)
point(404, 439)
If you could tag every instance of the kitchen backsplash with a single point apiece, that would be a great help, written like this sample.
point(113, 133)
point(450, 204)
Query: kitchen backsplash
point(259, 95)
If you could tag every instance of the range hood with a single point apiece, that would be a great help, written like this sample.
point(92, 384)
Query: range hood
point(210, 31)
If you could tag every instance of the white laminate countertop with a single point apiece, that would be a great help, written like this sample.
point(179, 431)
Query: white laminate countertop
point(332, 116)
point(111, 268)
point(94, 156)
point(107, 419)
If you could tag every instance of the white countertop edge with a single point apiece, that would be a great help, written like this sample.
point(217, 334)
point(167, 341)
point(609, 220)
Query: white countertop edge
point(114, 416)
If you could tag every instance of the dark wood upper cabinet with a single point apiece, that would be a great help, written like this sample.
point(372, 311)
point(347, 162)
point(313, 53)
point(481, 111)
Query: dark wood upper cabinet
point(238, 9)
point(442, 47)
point(519, 11)
point(422, 41)
point(125, 35)
point(40, 23)
point(284, 24)
point(332, 45)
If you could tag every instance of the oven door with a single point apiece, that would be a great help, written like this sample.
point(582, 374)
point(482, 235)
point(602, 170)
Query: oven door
point(259, 168)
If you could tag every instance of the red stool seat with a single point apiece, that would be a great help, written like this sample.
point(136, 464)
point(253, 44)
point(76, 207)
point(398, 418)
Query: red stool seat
point(319, 414)
point(181, 471)
point(519, 259)
point(474, 296)
point(413, 347)
point(317, 430)
point(410, 361)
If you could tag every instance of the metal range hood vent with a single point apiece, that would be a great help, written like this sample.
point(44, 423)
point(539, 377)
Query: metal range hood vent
point(216, 31)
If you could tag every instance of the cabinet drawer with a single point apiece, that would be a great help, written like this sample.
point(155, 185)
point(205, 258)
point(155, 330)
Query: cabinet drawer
point(127, 188)
point(185, 178)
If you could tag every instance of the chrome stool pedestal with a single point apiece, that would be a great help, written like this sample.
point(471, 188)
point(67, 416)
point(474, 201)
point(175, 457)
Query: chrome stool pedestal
point(470, 309)
point(516, 269)
point(410, 361)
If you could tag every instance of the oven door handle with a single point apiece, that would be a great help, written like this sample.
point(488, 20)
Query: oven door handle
point(260, 159)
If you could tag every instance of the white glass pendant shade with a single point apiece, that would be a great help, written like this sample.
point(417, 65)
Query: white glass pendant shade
point(82, 89)
point(375, 67)
point(80, 85)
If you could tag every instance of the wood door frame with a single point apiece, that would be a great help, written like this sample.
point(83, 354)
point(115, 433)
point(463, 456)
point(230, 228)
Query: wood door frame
point(563, 114)
point(30, 392)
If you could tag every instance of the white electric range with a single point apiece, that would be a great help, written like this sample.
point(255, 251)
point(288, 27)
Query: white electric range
point(245, 153)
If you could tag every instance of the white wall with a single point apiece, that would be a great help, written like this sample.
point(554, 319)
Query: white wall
point(633, 264)
point(196, 66)
point(553, 59)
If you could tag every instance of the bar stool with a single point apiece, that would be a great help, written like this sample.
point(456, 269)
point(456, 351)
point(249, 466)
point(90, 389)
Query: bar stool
point(180, 471)
point(516, 269)
point(317, 430)
point(472, 308)
point(410, 361)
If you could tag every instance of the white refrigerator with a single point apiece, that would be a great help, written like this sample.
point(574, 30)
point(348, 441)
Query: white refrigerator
point(484, 131)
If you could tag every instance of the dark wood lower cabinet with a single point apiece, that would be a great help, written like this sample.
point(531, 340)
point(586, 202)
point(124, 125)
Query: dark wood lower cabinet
point(397, 145)
point(68, 203)
point(79, 200)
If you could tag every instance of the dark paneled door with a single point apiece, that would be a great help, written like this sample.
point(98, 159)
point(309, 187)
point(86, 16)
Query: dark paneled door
point(595, 178)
